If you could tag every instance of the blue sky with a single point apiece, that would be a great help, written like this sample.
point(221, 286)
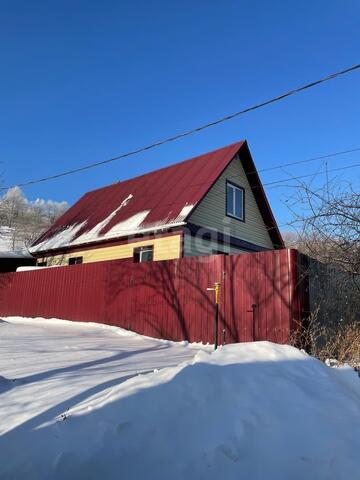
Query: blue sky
point(82, 81)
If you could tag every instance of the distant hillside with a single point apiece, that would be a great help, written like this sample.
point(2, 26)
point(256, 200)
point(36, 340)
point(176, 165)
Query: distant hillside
point(21, 220)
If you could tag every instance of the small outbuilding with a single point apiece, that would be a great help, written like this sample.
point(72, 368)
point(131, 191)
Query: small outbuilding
point(10, 261)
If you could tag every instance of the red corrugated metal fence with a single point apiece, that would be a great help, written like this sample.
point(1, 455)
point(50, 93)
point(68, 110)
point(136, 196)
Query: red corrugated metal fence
point(259, 299)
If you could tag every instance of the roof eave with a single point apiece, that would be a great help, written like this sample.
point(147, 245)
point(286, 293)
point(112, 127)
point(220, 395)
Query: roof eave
point(130, 234)
point(260, 196)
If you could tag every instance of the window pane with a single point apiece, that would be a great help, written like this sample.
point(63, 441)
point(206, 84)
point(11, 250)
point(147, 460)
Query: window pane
point(146, 255)
point(238, 203)
point(143, 254)
point(229, 200)
point(75, 260)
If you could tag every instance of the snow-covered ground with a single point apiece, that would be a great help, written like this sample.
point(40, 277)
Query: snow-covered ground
point(10, 246)
point(85, 401)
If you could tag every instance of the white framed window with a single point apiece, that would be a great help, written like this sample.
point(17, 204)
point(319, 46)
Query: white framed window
point(235, 201)
point(143, 254)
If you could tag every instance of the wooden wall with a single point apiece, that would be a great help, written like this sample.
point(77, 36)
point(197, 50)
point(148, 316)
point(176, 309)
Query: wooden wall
point(165, 248)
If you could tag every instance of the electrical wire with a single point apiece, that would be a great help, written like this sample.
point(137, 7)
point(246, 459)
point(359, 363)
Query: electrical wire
point(192, 131)
point(267, 184)
point(355, 165)
point(275, 182)
point(311, 159)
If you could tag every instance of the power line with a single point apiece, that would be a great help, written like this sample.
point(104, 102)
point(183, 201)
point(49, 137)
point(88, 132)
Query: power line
point(283, 180)
point(192, 131)
point(311, 159)
point(355, 165)
point(270, 183)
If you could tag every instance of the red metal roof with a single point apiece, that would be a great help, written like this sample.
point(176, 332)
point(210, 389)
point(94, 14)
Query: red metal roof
point(160, 199)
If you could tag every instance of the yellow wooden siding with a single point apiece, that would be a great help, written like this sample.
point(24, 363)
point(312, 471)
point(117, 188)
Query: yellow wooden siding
point(165, 248)
point(211, 211)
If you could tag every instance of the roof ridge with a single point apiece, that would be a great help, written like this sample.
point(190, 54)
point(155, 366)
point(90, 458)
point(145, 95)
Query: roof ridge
point(240, 143)
point(96, 205)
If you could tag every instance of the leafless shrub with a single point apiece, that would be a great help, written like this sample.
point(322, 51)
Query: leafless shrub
point(343, 344)
point(309, 334)
point(329, 341)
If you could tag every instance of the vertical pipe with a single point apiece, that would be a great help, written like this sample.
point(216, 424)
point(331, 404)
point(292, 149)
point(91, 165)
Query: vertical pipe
point(216, 325)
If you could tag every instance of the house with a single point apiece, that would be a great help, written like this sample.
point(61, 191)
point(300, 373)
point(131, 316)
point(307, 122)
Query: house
point(13, 253)
point(10, 261)
point(213, 203)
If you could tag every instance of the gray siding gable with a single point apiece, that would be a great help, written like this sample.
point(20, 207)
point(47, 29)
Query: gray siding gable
point(211, 210)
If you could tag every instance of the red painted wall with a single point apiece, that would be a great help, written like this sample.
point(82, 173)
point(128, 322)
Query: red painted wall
point(167, 299)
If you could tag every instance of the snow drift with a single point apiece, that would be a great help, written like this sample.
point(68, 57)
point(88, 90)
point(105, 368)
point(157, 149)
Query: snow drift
point(251, 411)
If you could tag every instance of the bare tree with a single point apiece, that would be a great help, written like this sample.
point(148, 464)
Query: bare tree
point(328, 220)
point(26, 220)
point(12, 206)
point(12, 210)
point(330, 224)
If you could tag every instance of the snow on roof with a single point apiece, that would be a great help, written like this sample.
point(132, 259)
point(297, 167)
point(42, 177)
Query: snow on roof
point(157, 200)
point(17, 254)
